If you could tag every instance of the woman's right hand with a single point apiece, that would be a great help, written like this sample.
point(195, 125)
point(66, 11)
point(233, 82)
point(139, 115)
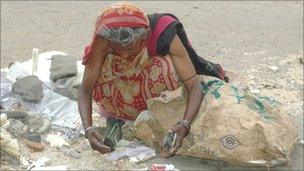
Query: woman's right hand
point(96, 142)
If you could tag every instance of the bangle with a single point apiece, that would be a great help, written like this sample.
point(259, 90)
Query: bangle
point(86, 130)
point(185, 123)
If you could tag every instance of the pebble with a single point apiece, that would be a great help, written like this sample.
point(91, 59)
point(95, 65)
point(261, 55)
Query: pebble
point(196, 7)
point(74, 153)
point(34, 138)
point(34, 145)
point(273, 68)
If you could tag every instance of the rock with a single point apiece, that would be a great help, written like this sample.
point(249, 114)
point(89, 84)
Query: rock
point(273, 68)
point(34, 145)
point(74, 153)
point(16, 114)
point(196, 7)
point(301, 60)
point(34, 138)
point(85, 145)
point(56, 141)
point(62, 66)
point(30, 88)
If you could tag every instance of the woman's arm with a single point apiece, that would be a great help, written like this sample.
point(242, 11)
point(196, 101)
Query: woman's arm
point(187, 74)
point(91, 73)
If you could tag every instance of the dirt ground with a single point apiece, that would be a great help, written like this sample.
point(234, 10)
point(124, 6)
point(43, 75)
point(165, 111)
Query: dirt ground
point(242, 36)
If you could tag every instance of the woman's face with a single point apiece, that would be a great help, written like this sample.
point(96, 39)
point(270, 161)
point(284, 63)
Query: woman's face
point(129, 50)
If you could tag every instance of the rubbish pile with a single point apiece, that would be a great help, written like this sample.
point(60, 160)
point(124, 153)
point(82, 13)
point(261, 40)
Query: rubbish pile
point(39, 110)
point(34, 107)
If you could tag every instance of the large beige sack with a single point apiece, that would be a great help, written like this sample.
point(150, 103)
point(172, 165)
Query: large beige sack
point(232, 125)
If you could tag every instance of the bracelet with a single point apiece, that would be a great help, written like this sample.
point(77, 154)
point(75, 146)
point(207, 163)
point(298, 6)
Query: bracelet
point(185, 123)
point(85, 132)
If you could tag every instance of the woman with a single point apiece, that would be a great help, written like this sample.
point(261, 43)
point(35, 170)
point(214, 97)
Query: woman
point(134, 57)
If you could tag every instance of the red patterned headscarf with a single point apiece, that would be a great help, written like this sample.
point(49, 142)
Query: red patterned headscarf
point(116, 16)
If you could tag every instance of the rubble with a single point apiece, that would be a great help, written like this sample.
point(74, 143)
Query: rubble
point(30, 88)
point(62, 67)
point(38, 163)
point(17, 128)
point(38, 124)
point(16, 114)
point(34, 145)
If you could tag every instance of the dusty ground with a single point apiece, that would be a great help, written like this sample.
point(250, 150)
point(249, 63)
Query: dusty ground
point(242, 36)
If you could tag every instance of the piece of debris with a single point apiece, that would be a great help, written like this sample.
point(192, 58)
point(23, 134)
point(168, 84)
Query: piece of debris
point(3, 119)
point(38, 163)
point(255, 91)
point(301, 143)
point(10, 146)
point(163, 167)
point(273, 68)
point(36, 146)
point(34, 137)
point(62, 66)
point(30, 88)
point(301, 60)
point(17, 128)
point(60, 167)
point(196, 7)
point(74, 153)
point(136, 154)
point(16, 114)
point(38, 123)
point(56, 141)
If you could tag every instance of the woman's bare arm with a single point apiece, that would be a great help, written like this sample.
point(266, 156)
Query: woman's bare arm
point(91, 73)
point(186, 72)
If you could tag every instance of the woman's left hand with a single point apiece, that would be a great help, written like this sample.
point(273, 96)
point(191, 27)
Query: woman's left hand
point(182, 132)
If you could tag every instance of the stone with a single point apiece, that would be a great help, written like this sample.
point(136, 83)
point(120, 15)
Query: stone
point(62, 66)
point(196, 7)
point(16, 114)
point(273, 68)
point(34, 138)
point(34, 145)
point(30, 88)
point(74, 153)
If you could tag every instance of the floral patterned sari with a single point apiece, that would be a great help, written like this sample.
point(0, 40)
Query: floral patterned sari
point(124, 86)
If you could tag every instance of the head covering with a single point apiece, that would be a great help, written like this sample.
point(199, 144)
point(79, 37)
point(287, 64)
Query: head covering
point(117, 15)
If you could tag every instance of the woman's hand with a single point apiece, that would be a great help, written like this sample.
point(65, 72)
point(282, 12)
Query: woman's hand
point(96, 142)
point(181, 132)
